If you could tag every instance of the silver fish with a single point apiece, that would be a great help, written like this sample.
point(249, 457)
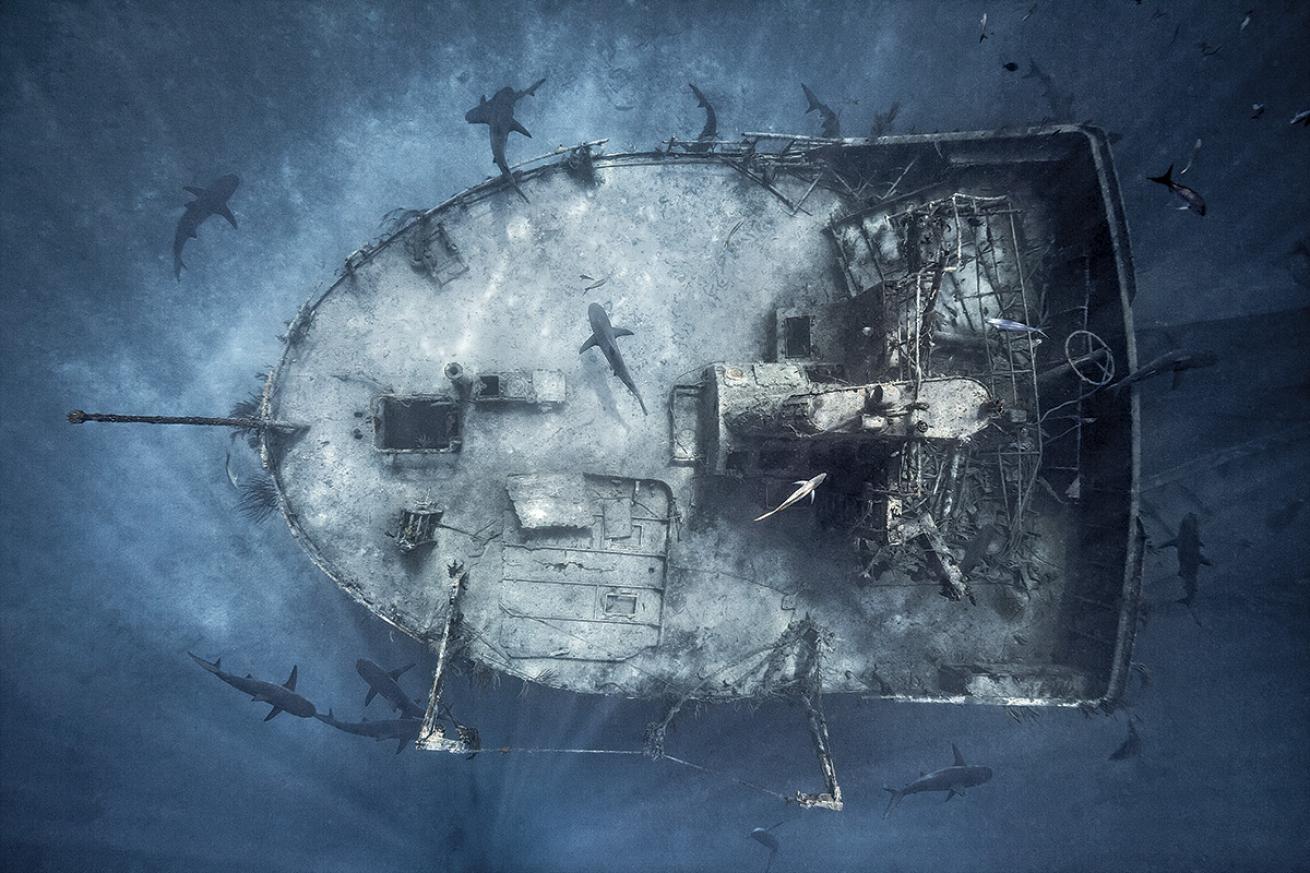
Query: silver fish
point(1011, 326)
point(806, 489)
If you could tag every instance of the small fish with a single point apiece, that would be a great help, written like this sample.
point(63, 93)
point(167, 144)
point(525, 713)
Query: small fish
point(982, 27)
point(1029, 13)
point(1302, 118)
point(1130, 748)
point(1158, 13)
point(596, 284)
point(1207, 50)
point(831, 124)
point(625, 108)
point(1257, 110)
point(1246, 20)
point(1011, 326)
point(1010, 66)
point(806, 488)
point(1194, 201)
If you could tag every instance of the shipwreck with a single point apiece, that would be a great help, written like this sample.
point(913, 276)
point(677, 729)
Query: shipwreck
point(932, 321)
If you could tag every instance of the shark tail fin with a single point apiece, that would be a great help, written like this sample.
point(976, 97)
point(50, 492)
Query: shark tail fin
point(810, 98)
point(1167, 179)
point(178, 267)
point(212, 668)
point(700, 98)
point(891, 804)
point(533, 88)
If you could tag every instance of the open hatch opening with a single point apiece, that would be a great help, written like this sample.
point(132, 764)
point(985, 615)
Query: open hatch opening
point(417, 423)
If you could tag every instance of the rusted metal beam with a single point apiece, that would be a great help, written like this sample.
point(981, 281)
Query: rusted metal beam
point(78, 416)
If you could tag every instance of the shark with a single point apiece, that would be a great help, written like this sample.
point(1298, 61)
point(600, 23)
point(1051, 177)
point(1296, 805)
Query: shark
point(1190, 558)
point(711, 129)
point(402, 730)
point(1177, 362)
point(283, 698)
point(498, 114)
point(1061, 104)
point(768, 841)
point(208, 201)
point(953, 780)
point(602, 337)
point(831, 124)
point(384, 682)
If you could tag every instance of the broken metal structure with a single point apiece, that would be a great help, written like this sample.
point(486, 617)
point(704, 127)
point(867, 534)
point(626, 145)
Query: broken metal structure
point(798, 306)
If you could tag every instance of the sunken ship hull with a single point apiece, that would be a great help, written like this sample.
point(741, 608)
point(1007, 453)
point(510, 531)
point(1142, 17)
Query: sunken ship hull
point(797, 306)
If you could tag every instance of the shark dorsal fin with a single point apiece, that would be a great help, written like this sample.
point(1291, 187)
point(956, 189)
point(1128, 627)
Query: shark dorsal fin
point(218, 664)
point(291, 680)
point(959, 759)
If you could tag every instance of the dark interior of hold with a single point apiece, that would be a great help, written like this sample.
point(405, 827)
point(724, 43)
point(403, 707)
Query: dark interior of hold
point(797, 337)
point(418, 424)
point(490, 386)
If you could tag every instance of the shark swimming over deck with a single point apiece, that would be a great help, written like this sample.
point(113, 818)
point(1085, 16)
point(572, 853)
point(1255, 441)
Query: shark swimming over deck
point(602, 337)
point(283, 698)
point(953, 780)
point(711, 129)
point(208, 201)
point(498, 114)
point(402, 730)
point(831, 124)
point(384, 682)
